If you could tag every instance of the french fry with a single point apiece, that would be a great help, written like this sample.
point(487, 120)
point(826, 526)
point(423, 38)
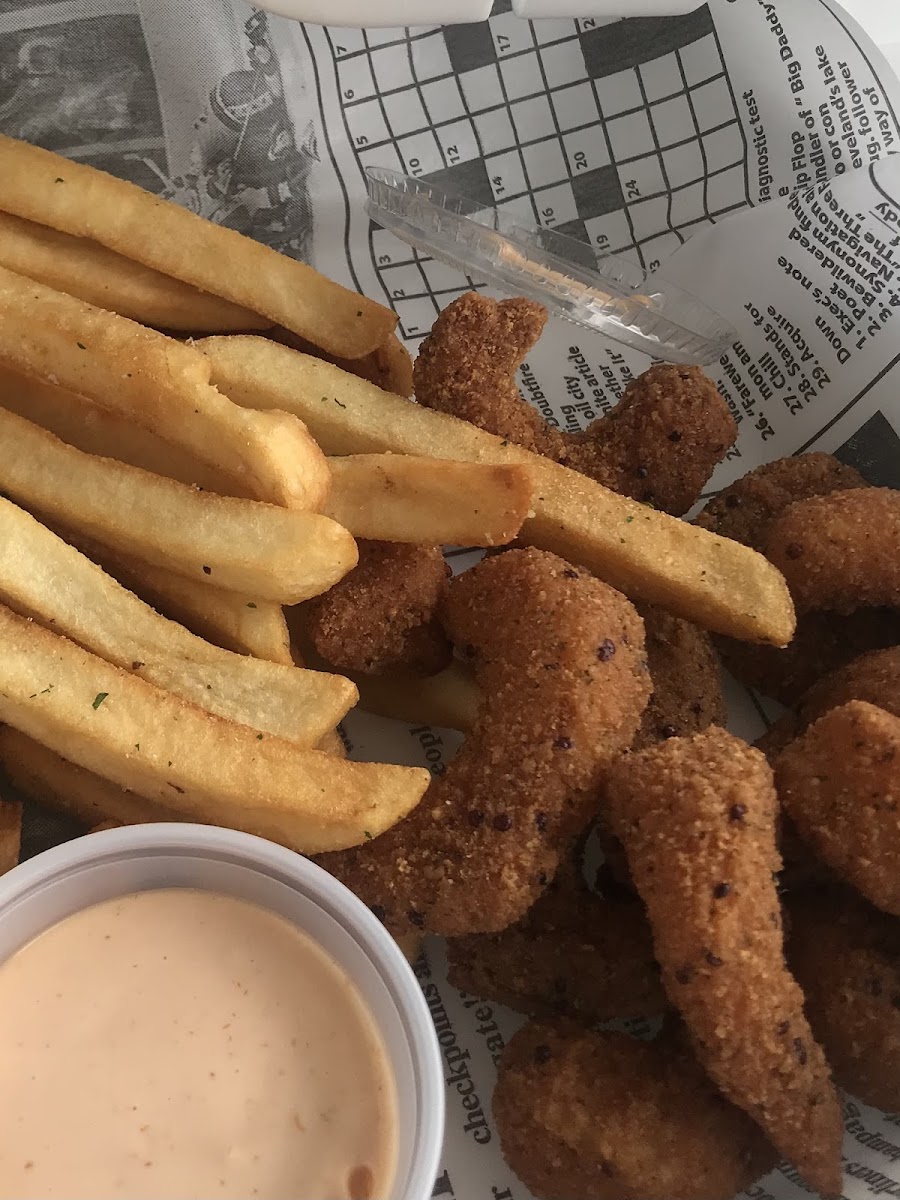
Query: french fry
point(80, 200)
point(239, 545)
point(396, 498)
point(85, 269)
point(333, 743)
point(119, 726)
point(44, 777)
point(390, 367)
point(158, 383)
point(10, 834)
point(650, 556)
point(44, 578)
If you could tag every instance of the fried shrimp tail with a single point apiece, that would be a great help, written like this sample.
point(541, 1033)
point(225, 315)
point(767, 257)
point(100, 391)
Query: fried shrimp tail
point(559, 659)
point(697, 819)
point(601, 1116)
point(659, 445)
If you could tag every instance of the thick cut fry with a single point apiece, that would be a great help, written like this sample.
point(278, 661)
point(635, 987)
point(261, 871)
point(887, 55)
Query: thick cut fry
point(650, 556)
point(10, 834)
point(397, 498)
point(85, 269)
point(205, 767)
point(44, 578)
point(80, 200)
point(239, 545)
point(158, 383)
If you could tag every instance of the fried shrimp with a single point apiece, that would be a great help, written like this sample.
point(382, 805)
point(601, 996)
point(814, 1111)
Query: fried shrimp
point(574, 954)
point(383, 615)
point(839, 552)
point(601, 1116)
point(559, 659)
point(746, 512)
point(697, 819)
point(840, 785)
point(659, 445)
point(846, 956)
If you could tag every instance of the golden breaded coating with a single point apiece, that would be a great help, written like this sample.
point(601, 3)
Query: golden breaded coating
point(838, 553)
point(686, 678)
point(383, 615)
point(840, 785)
point(574, 954)
point(745, 512)
point(659, 445)
point(873, 677)
point(846, 956)
point(601, 1116)
point(697, 819)
point(559, 660)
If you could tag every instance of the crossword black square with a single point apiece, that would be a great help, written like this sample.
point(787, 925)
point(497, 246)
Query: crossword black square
point(468, 179)
point(625, 45)
point(598, 192)
point(875, 452)
point(469, 46)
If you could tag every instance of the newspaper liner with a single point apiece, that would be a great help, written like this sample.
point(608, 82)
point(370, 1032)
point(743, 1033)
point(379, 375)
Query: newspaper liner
point(254, 121)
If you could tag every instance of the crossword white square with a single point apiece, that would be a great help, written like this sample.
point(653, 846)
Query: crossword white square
point(378, 37)
point(683, 164)
point(556, 205)
point(405, 112)
point(346, 41)
point(442, 278)
point(687, 204)
point(387, 248)
point(458, 141)
point(553, 29)
point(574, 105)
point(661, 77)
point(506, 175)
point(586, 149)
point(726, 189)
point(403, 281)
point(366, 123)
point(382, 156)
point(630, 135)
point(644, 176)
point(391, 67)
point(619, 93)
point(701, 59)
point(610, 232)
point(586, 24)
point(712, 103)
point(482, 88)
point(430, 57)
point(521, 76)
point(649, 216)
point(416, 316)
point(672, 120)
point(495, 130)
point(563, 63)
point(443, 100)
point(355, 79)
point(420, 153)
point(533, 119)
point(723, 147)
point(657, 250)
point(545, 163)
point(510, 34)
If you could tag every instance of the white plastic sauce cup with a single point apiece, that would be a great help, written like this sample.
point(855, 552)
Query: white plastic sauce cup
point(116, 862)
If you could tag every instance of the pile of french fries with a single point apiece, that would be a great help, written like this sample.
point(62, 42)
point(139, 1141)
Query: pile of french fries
point(165, 500)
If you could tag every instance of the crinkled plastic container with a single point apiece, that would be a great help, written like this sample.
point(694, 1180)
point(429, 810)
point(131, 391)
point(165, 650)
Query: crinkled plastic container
point(101, 866)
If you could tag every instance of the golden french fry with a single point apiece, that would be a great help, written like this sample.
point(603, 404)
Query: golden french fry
point(44, 777)
point(389, 367)
point(333, 743)
point(206, 767)
point(239, 545)
point(85, 269)
point(44, 578)
point(80, 200)
point(398, 498)
point(10, 834)
point(159, 383)
point(80, 423)
point(710, 580)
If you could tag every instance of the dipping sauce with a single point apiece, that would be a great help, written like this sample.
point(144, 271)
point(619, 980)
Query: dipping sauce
point(184, 1044)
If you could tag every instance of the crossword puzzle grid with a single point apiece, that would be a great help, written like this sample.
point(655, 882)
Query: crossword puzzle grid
point(625, 135)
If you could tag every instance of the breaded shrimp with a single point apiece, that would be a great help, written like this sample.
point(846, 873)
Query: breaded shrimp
point(840, 785)
point(659, 445)
point(382, 616)
point(697, 819)
point(559, 659)
point(601, 1116)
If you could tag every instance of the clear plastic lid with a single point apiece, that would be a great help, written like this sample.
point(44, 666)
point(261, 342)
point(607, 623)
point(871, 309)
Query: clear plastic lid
point(604, 292)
